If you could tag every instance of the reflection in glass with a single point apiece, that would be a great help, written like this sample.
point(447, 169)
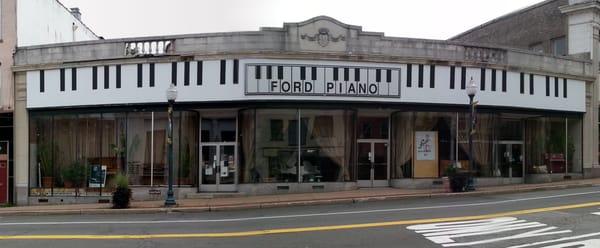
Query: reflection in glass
point(574, 143)
point(402, 144)
point(325, 157)
point(373, 127)
point(276, 159)
point(41, 155)
point(545, 139)
point(139, 138)
point(218, 130)
point(117, 142)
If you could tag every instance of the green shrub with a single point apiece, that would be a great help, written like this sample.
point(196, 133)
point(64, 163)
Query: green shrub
point(122, 194)
point(121, 181)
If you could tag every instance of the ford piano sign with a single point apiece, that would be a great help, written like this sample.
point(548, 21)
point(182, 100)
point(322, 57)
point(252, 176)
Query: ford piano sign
point(310, 80)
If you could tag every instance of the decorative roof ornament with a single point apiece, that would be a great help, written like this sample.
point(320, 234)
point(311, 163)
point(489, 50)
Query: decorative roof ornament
point(323, 37)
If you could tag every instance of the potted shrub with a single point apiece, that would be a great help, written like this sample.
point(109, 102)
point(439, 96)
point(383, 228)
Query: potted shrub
point(457, 179)
point(74, 175)
point(122, 194)
point(45, 164)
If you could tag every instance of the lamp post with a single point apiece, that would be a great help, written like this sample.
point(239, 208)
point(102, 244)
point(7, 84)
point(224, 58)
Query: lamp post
point(171, 96)
point(471, 92)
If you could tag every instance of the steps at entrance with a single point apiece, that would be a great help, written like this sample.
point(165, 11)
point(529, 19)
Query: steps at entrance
point(211, 195)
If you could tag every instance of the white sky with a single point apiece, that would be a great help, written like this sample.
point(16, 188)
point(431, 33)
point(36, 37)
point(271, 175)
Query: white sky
point(433, 19)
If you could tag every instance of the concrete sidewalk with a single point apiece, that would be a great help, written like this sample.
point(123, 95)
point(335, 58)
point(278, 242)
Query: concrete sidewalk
point(283, 200)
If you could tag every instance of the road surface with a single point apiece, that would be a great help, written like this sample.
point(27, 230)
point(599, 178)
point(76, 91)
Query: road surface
point(551, 219)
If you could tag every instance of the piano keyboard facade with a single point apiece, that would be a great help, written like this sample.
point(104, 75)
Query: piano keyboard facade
point(277, 79)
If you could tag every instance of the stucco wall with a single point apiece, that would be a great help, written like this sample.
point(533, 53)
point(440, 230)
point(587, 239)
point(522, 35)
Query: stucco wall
point(48, 21)
point(8, 42)
point(521, 29)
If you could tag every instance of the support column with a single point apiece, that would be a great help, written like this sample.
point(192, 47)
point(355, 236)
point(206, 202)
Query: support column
point(583, 22)
point(21, 141)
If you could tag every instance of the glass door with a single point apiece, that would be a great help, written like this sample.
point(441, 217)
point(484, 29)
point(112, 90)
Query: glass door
point(364, 162)
point(209, 165)
point(219, 167)
point(373, 163)
point(510, 156)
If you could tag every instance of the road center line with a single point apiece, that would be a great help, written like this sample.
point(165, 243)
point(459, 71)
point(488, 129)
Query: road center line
point(293, 215)
point(296, 230)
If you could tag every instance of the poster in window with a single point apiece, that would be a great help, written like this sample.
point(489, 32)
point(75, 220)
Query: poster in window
point(97, 176)
point(425, 145)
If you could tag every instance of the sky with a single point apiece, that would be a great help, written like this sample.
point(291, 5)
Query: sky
point(429, 19)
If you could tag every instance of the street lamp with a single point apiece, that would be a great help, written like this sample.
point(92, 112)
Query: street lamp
point(471, 92)
point(171, 96)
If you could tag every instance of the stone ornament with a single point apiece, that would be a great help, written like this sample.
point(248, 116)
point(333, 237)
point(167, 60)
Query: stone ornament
point(323, 37)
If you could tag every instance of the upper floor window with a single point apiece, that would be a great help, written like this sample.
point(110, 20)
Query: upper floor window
point(559, 46)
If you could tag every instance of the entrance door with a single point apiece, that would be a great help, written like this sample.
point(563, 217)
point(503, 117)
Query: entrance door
point(373, 163)
point(219, 167)
point(511, 159)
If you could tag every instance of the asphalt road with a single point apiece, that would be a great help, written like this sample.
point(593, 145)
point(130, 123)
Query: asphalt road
point(555, 219)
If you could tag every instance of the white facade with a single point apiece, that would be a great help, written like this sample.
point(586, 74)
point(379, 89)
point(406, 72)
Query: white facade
point(48, 21)
point(511, 89)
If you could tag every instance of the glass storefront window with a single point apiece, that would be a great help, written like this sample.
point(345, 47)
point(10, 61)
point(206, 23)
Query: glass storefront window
point(276, 158)
point(402, 144)
point(113, 145)
point(508, 147)
point(188, 155)
point(218, 130)
point(66, 148)
point(443, 125)
point(483, 140)
point(139, 152)
point(321, 140)
point(89, 138)
point(546, 144)
point(325, 155)
point(373, 127)
point(41, 155)
point(574, 145)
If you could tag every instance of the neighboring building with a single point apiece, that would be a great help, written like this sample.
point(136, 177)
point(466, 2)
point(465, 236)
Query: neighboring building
point(556, 27)
point(24, 23)
point(314, 106)
point(539, 28)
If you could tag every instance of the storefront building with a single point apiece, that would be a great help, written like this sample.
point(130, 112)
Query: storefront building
point(313, 106)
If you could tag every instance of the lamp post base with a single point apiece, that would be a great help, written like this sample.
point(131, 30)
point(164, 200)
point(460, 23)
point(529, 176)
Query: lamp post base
point(170, 201)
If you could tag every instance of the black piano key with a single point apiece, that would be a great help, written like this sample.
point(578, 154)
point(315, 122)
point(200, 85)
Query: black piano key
point(335, 74)
point(280, 72)
point(346, 74)
point(388, 76)
point(223, 70)
point(257, 72)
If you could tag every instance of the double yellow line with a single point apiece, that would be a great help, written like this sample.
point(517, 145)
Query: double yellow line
point(294, 230)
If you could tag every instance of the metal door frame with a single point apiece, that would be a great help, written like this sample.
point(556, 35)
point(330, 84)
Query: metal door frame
point(371, 183)
point(511, 143)
point(217, 186)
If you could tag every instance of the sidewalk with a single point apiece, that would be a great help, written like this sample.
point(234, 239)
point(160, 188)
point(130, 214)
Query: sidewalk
point(283, 200)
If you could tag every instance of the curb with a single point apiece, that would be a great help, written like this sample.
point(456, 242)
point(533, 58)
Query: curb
point(281, 204)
